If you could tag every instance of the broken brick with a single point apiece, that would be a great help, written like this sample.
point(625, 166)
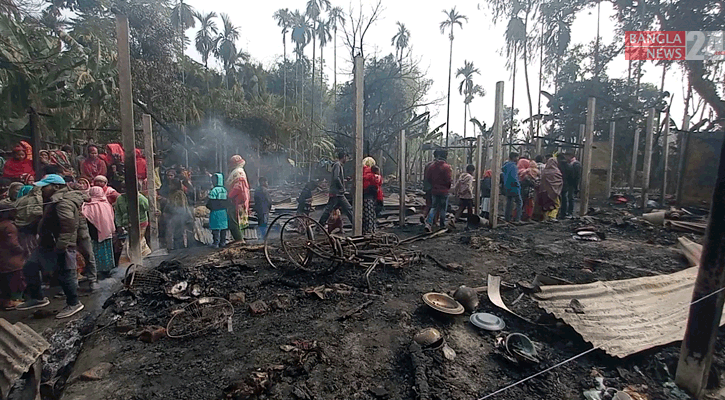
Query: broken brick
point(97, 373)
point(259, 307)
point(237, 298)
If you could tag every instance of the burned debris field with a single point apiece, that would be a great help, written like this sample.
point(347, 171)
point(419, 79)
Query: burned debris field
point(332, 334)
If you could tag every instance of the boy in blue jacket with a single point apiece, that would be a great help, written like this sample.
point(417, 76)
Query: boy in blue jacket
point(217, 204)
point(511, 187)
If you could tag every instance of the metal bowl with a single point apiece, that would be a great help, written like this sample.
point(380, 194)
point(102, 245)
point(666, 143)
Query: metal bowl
point(468, 297)
point(521, 347)
point(443, 303)
point(429, 338)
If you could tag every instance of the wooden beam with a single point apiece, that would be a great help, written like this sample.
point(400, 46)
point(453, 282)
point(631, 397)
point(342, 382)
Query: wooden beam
point(151, 181)
point(708, 296)
point(477, 175)
point(635, 155)
point(496, 162)
point(665, 156)
point(612, 130)
point(128, 135)
point(359, 103)
point(35, 141)
point(682, 157)
point(401, 176)
point(582, 133)
point(647, 164)
point(587, 156)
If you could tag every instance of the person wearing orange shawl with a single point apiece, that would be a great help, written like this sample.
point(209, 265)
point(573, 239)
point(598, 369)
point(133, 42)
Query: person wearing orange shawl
point(93, 165)
point(20, 164)
point(238, 188)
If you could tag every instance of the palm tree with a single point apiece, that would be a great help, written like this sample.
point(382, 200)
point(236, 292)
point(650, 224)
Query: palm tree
point(323, 33)
point(467, 88)
point(226, 50)
point(182, 18)
point(515, 36)
point(206, 36)
point(453, 18)
point(284, 21)
point(301, 35)
point(314, 9)
point(336, 16)
point(400, 41)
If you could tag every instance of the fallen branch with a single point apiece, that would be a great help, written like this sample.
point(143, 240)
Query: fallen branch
point(421, 380)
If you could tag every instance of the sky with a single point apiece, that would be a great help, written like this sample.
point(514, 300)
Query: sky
point(480, 41)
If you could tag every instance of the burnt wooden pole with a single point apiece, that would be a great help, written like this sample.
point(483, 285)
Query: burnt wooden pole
point(151, 181)
point(635, 154)
point(612, 130)
point(401, 177)
point(582, 132)
point(359, 103)
point(496, 161)
point(587, 156)
point(665, 156)
point(477, 175)
point(128, 135)
point(35, 141)
point(682, 150)
point(707, 298)
point(647, 164)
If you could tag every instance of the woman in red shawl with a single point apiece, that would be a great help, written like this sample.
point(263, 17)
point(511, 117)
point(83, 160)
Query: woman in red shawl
point(238, 189)
point(372, 193)
point(20, 164)
point(93, 165)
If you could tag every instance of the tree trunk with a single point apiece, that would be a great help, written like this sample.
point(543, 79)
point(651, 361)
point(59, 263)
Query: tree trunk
point(513, 97)
point(322, 76)
point(334, 72)
point(526, 74)
point(541, 78)
point(284, 90)
point(312, 87)
point(705, 87)
point(464, 119)
point(448, 107)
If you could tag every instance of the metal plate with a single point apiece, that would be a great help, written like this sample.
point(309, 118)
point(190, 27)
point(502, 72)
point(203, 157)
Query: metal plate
point(487, 321)
point(443, 303)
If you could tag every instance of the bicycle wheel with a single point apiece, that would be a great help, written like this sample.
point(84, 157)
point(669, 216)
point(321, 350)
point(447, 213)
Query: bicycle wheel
point(304, 239)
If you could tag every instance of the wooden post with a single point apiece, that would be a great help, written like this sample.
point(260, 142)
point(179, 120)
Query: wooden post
point(151, 181)
point(635, 154)
point(707, 298)
point(682, 150)
point(647, 156)
point(477, 176)
point(35, 141)
point(580, 150)
point(359, 99)
point(665, 156)
point(612, 130)
point(128, 134)
point(401, 176)
point(496, 162)
point(587, 156)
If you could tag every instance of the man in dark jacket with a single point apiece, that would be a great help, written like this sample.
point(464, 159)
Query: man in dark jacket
point(60, 227)
point(440, 176)
point(337, 191)
point(571, 170)
point(511, 187)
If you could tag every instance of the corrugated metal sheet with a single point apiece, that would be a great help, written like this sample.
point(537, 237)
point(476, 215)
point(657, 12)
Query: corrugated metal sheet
point(628, 316)
point(20, 346)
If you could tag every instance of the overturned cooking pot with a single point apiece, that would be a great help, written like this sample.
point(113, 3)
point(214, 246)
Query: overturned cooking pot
point(521, 347)
point(443, 303)
point(429, 338)
point(468, 297)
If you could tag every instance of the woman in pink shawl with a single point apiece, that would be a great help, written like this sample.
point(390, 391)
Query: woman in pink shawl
point(110, 193)
point(99, 213)
point(238, 189)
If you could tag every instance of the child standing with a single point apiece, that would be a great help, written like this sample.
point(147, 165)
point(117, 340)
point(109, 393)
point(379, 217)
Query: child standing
point(217, 204)
point(464, 192)
point(262, 205)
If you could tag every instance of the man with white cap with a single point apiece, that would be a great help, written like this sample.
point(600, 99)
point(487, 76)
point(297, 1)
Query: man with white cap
point(59, 229)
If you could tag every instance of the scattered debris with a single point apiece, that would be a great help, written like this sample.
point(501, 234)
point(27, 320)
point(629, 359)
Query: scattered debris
point(576, 306)
point(237, 298)
point(152, 334)
point(98, 372)
point(419, 365)
point(354, 310)
point(20, 347)
point(258, 307)
point(255, 384)
point(199, 316)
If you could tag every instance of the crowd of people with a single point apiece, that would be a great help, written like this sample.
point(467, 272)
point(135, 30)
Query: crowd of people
point(71, 225)
point(538, 189)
